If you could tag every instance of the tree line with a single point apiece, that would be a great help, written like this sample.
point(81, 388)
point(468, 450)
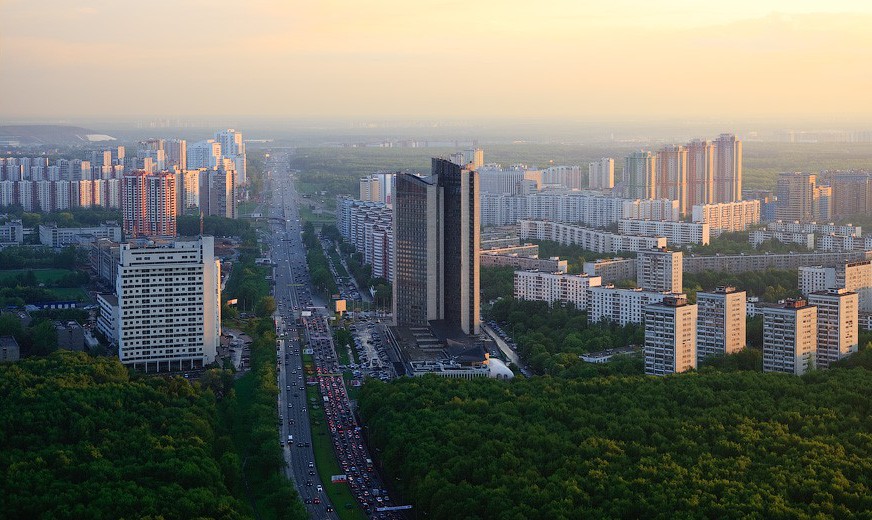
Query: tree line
point(718, 443)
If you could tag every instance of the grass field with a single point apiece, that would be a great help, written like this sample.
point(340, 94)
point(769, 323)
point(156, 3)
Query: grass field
point(71, 294)
point(42, 275)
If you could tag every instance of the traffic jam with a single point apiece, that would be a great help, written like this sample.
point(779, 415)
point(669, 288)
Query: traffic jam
point(351, 452)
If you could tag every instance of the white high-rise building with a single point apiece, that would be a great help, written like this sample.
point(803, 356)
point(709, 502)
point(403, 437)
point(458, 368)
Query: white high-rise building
point(601, 174)
point(660, 270)
point(233, 147)
point(169, 306)
point(837, 325)
point(720, 325)
point(670, 336)
point(204, 154)
point(789, 336)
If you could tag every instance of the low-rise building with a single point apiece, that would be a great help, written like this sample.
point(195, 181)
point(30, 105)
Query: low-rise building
point(53, 236)
point(612, 270)
point(556, 287)
point(524, 263)
point(11, 233)
point(621, 306)
point(590, 239)
point(676, 233)
point(9, 350)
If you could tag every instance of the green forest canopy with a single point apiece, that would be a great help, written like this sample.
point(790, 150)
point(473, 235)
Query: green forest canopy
point(706, 445)
point(82, 440)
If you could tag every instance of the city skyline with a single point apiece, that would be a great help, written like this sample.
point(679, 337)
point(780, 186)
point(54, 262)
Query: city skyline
point(342, 59)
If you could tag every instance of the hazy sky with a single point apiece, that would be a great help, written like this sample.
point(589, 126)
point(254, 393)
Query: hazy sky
point(577, 59)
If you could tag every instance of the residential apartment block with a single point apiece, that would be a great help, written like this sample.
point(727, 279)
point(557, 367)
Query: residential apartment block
point(555, 287)
point(168, 311)
point(837, 325)
point(590, 239)
point(720, 326)
point(670, 336)
point(660, 270)
point(621, 306)
point(789, 336)
point(676, 233)
point(728, 216)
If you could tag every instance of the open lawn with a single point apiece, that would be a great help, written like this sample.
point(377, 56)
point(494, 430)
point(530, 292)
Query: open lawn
point(42, 275)
point(71, 294)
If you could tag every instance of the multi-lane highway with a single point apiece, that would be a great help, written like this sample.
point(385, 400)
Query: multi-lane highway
point(292, 293)
point(293, 297)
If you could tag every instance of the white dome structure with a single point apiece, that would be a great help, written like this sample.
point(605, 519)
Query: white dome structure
point(498, 369)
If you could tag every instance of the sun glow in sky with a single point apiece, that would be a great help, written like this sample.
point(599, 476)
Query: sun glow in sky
point(454, 59)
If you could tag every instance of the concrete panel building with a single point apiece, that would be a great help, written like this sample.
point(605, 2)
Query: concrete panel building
point(555, 287)
point(670, 336)
point(789, 337)
point(720, 326)
point(837, 325)
point(660, 270)
point(169, 306)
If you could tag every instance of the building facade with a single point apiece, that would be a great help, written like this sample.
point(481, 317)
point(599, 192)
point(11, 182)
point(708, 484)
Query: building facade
point(789, 337)
point(720, 326)
point(436, 247)
point(555, 287)
point(837, 325)
point(169, 306)
point(670, 336)
point(660, 270)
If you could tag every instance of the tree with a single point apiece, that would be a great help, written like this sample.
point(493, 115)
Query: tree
point(266, 306)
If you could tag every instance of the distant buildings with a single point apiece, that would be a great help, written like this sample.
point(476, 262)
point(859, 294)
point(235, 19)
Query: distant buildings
point(436, 246)
point(676, 233)
point(612, 269)
point(500, 209)
point(670, 336)
point(728, 216)
point(377, 187)
point(640, 174)
point(621, 306)
point(590, 239)
point(369, 227)
point(148, 204)
point(796, 196)
point(523, 263)
point(601, 174)
point(53, 236)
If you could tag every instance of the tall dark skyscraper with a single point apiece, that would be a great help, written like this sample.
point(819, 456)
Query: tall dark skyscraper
point(436, 243)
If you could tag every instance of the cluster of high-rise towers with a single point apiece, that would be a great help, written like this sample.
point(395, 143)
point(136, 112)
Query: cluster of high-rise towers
point(699, 172)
